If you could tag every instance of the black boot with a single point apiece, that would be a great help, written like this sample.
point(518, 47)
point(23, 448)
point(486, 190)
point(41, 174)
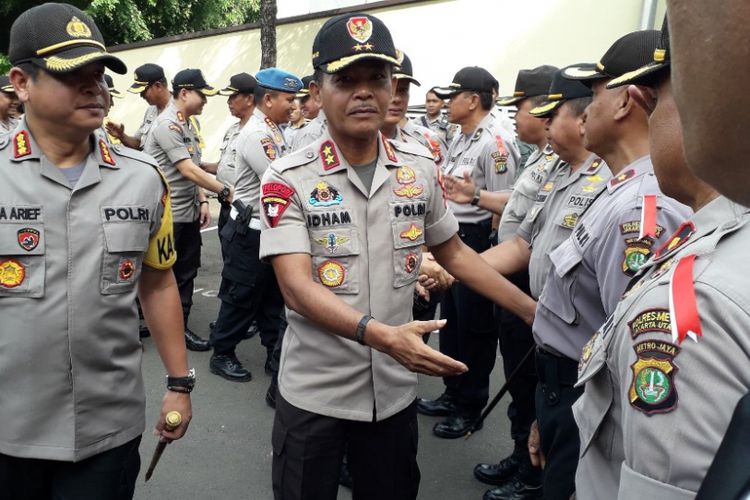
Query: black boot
point(500, 473)
point(457, 425)
point(525, 484)
point(441, 407)
point(195, 343)
point(229, 367)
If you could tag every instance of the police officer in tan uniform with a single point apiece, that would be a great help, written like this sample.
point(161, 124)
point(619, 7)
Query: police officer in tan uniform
point(482, 152)
point(397, 126)
point(343, 223)
point(650, 372)
point(613, 237)
point(151, 84)
point(8, 103)
point(248, 290)
point(549, 221)
point(84, 226)
point(532, 87)
point(174, 144)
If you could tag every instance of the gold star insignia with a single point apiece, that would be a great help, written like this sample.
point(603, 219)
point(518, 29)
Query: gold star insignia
point(369, 46)
point(358, 47)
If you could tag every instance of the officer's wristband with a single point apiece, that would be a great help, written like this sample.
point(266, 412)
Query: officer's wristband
point(182, 384)
point(361, 326)
point(477, 193)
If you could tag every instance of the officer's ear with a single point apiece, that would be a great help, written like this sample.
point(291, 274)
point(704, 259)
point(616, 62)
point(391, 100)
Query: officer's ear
point(315, 91)
point(21, 80)
point(626, 105)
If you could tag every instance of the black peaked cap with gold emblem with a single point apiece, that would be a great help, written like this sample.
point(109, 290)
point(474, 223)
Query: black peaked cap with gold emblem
point(470, 78)
point(305, 90)
point(404, 70)
point(530, 83)
point(59, 38)
point(145, 75)
point(628, 53)
point(346, 39)
point(560, 90)
point(5, 85)
point(648, 74)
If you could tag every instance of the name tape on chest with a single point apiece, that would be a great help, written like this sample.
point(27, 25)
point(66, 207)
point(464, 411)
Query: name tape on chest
point(20, 213)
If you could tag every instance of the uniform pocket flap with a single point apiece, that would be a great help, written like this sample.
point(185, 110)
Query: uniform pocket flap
point(590, 411)
point(126, 236)
point(21, 239)
point(565, 257)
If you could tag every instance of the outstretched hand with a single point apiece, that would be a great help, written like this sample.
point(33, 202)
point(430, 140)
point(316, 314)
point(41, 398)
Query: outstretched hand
point(460, 189)
point(405, 345)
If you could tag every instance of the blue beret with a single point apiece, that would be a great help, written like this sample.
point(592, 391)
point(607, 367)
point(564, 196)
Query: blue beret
point(278, 79)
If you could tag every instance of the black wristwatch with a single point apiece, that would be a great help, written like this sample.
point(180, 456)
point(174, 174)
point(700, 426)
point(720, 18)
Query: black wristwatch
point(223, 194)
point(182, 384)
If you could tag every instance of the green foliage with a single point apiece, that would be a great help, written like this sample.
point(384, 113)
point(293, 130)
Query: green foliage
point(124, 21)
point(4, 64)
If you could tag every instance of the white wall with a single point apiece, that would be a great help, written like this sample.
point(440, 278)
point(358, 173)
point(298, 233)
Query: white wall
point(439, 36)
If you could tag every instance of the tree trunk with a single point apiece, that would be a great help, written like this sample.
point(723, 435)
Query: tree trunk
point(267, 33)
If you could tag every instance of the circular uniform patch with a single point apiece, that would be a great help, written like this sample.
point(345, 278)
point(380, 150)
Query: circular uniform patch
point(331, 273)
point(127, 269)
point(410, 264)
point(12, 273)
point(652, 385)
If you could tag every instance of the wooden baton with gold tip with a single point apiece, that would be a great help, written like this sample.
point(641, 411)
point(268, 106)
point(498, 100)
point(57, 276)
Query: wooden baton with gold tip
point(171, 422)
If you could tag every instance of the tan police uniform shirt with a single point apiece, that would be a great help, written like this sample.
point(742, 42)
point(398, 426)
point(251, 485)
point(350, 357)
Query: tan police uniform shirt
point(8, 127)
point(491, 159)
point(171, 140)
point(591, 269)
point(312, 132)
point(226, 170)
point(445, 131)
point(149, 118)
point(259, 143)
point(426, 138)
point(366, 247)
point(555, 212)
point(534, 176)
point(656, 407)
point(70, 260)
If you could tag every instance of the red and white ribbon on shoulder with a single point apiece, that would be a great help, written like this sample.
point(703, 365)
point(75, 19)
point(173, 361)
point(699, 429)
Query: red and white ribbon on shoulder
point(648, 217)
point(683, 306)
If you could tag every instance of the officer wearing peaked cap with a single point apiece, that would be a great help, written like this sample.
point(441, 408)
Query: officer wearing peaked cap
point(8, 106)
point(397, 126)
point(482, 152)
point(549, 221)
point(151, 84)
point(174, 144)
point(652, 371)
point(249, 291)
point(532, 86)
point(344, 220)
point(613, 237)
point(85, 225)
point(240, 95)
point(309, 106)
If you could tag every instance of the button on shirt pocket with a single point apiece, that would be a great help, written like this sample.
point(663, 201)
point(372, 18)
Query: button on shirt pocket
point(125, 244)
point(22, 260)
